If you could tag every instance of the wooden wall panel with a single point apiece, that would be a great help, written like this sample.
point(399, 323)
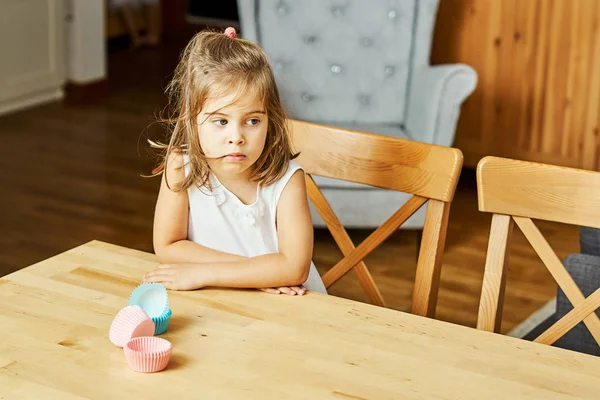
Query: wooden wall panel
point(538, 61)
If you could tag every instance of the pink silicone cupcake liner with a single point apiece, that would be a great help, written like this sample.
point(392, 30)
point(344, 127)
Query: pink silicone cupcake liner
point(148, 353)
point(129, 323)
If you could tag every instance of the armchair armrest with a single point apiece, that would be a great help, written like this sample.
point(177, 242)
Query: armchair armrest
point(434, 103)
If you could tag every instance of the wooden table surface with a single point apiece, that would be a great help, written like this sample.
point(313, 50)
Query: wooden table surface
point(245, 344)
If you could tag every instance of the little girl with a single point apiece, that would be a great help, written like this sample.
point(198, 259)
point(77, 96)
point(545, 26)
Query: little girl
point(232, 209)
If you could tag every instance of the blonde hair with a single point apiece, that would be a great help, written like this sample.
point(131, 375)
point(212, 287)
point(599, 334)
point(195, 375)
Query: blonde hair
point(214, 64)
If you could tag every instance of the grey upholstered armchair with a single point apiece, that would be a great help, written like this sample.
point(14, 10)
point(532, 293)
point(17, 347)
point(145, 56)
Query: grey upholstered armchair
point(362, 65)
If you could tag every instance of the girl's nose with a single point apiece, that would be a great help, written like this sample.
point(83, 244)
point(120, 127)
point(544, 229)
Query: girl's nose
point(236, 137)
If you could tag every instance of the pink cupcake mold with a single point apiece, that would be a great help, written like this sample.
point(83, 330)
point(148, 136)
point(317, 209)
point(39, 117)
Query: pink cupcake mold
point(148, 353)
point(130, 322)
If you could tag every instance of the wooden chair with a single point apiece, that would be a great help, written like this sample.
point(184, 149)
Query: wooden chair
point(517, 191)
point(428, 172)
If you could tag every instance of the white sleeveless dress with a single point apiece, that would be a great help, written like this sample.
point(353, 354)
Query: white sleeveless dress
point(220, 221)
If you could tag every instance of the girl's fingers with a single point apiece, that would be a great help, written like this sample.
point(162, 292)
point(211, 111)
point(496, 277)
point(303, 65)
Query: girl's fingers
point(158, 272)
point(157, 277)
point(291, 291)
point(168, 285)
point(299, 289)
point(270, 290)
point(287, 290)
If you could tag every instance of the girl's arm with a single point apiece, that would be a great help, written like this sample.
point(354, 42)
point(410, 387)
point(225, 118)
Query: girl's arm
point(171, 223)
point(288, 267)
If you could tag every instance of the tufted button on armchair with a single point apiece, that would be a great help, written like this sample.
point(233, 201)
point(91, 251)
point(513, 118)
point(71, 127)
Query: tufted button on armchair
point(361, 65)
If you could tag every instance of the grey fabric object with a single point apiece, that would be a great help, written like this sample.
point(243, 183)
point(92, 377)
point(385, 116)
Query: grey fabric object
point(584, 268)
point(589, 240)
point(363, 64)
point(337, 61)
point(585, 271)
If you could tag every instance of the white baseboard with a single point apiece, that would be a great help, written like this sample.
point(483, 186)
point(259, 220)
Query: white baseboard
point(35, 99)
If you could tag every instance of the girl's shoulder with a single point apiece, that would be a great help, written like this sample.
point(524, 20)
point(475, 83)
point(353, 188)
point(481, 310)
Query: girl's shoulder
point(276, 188)
point(292, 167)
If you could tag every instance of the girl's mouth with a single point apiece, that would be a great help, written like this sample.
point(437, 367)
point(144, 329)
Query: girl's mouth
point(235, 157)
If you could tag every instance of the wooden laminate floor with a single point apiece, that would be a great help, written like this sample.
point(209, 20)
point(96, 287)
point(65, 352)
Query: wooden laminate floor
point(72, 173)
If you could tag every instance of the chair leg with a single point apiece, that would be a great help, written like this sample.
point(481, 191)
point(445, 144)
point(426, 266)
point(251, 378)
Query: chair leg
point(419, 233)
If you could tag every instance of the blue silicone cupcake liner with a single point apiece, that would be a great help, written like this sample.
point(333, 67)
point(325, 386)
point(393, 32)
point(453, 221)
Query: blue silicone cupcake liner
point(162, 323)
point(152, 297)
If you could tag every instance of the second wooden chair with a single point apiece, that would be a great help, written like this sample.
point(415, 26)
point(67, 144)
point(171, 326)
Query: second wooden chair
point(515, 192)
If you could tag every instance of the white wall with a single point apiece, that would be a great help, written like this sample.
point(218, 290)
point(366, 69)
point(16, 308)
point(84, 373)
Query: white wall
point(32, 48)
point(45, 43)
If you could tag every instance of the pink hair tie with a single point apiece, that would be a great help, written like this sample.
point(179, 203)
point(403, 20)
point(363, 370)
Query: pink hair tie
point(230, 32)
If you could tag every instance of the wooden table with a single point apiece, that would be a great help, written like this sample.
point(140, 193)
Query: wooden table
point(245, 344)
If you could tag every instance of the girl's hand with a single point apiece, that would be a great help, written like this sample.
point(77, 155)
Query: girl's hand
point(292, 291)
point(176, 276)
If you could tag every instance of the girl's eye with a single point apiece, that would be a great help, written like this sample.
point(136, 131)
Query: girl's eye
point(220, 122)
point(253, 121)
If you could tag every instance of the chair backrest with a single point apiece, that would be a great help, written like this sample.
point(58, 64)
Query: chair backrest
point(428, 172)
point(347, 61)
point(515, 192)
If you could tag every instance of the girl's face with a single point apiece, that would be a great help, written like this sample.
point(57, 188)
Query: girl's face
point(232, 135)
